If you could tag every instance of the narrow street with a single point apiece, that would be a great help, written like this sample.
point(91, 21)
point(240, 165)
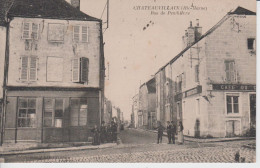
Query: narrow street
point(141, 146)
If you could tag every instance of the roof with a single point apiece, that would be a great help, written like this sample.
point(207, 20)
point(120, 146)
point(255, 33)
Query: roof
point(5, 5)
point(151, 86)
point(238, 11)
point(52, 9)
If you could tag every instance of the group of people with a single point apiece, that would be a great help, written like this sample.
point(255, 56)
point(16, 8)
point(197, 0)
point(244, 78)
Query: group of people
point(171, 132)
point(104, 134)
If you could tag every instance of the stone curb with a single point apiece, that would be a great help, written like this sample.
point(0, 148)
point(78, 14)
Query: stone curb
point(58, 149)
point(192, 139)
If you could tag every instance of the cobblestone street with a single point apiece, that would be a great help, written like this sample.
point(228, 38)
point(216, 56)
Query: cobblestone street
point(140, 146)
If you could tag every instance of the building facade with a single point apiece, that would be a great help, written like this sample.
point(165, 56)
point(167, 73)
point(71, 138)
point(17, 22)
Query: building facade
point(55, 79)
point(147, 105)
point(213, 79)
point(135, 108)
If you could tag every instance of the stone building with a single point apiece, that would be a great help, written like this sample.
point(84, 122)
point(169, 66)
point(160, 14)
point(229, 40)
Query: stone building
point(213, 79)
point(54, 72)
point(107, 111)
point(147, 100)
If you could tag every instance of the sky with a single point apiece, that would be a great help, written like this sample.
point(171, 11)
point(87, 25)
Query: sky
point(134, 55)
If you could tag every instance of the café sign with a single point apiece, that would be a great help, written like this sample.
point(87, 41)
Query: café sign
point(188, 93)
point(234, 87)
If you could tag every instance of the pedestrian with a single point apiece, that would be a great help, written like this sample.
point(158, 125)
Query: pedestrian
point(173, 132)
point(96, 135)
point(169, 131)
point(103, 132)
point(160, 130)
point(109, 133)
point(114, 131)
point(180, 133)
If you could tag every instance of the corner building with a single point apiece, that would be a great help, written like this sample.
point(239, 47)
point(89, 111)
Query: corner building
point(55, 80)
point(214, 78)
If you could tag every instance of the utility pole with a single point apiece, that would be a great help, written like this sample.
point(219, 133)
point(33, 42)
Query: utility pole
point(107, 14)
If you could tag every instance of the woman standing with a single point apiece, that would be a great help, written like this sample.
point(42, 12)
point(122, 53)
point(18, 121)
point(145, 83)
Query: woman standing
point(180, 133)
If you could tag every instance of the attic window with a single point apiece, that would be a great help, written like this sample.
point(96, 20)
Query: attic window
point(251, 43)
point(80, 34)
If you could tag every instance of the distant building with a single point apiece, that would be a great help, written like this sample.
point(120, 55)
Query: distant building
point(135, 109)
point(213, 79)
point(54, 71)
point(147, 104)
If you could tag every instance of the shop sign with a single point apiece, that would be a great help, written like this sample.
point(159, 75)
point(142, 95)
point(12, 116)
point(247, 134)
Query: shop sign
point(235, 87)
point(188, 93)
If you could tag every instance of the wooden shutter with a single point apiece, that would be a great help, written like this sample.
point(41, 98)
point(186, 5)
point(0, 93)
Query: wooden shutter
point(84, 34)
point(197, 73)
point(33, 69)
point(75, 70)
point(84, 69)
point(24, 68)
point(35, 28)
point(76, 32)
point(26, 30)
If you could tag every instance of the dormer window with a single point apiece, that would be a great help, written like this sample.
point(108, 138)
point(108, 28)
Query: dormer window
point(80, 34)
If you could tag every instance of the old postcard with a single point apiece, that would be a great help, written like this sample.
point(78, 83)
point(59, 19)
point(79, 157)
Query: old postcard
point(128, 81)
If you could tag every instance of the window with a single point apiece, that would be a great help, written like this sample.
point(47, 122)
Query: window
point(55, 32)
point(80, 34)
point(196, 73)
point(27, 112)
point(251, 44)
point(78, 111)
point(184, 79)
point(232, 102)
point(230, 71)
point(28, 69)
point(80, 68)
point(53, 112)
point(30, 30)
point(179, 83)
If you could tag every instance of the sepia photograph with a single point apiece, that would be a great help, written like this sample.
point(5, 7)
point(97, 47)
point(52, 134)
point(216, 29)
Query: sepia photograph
point(128, 81)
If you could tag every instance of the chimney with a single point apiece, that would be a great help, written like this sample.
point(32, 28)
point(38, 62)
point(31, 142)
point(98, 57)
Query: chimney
point(191, 34)
point(198, 30)
point(75, 3)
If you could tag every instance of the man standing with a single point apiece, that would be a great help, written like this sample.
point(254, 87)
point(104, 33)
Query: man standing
point(173, 132)
point(103, 132)
point(160, 129)
point(169, 131)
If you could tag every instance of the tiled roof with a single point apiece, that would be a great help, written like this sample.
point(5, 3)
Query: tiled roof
point(52, 9)
point(4, 6)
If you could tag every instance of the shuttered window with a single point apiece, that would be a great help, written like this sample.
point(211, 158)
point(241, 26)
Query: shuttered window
point(28, 70)
point(230, 71)
point(30, 30)
point(197, 73)
point(75, 70)
point(84, 69)
point(80, 70)
point(80, 34)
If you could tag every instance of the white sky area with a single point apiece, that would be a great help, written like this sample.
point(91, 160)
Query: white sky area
point(135, 55)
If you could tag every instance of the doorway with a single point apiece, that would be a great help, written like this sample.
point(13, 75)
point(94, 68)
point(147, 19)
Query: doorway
point(252, 100)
